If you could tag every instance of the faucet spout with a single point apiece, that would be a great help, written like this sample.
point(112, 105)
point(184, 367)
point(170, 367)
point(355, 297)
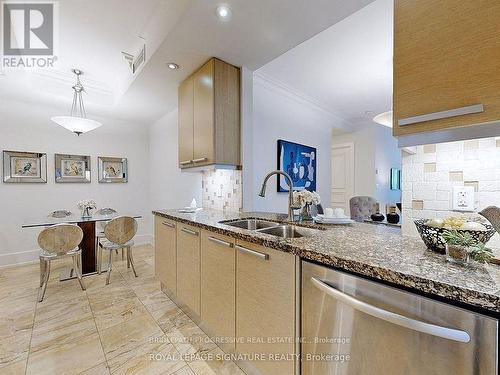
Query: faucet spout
point(290, 191)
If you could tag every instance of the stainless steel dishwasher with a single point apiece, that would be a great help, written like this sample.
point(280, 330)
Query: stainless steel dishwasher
point(353, 326)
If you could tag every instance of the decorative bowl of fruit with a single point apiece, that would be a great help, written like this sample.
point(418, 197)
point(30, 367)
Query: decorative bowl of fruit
point(431, 230)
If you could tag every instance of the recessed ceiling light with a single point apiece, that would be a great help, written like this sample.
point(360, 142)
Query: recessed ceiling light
point(223, 12)
point(173, 66)
point(384, 118)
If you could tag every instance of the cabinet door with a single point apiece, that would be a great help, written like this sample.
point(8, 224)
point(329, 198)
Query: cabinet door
point(165, 253)
point(188, 266)
point(204, 115)
point(218, 286)
point(445, 57)
point(265, 305)
point(186, 105)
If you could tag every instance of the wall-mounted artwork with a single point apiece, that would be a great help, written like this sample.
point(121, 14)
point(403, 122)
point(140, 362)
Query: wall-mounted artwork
point(112, 169)
point(395, 179)
point(24, 167)
point(72, 168)
point(299, 162)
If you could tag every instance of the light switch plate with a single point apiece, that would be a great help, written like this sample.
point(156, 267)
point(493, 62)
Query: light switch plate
point(463, 198)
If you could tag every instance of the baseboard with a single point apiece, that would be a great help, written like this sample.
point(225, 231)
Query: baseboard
point(30, 256)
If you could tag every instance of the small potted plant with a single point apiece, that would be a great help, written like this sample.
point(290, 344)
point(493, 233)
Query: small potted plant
point(305, 199)
point(461, 247)
point(86, 206)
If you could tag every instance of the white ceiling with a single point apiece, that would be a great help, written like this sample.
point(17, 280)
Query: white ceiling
point(94, 32)
point(347, 68)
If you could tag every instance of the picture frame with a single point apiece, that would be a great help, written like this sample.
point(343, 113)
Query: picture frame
point(72, 168)
point(299, 161)
point(24, 167)
point(112, 170)
point(395, 179)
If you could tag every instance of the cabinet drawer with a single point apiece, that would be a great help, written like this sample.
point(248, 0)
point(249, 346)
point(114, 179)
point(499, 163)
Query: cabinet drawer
point(265, 305)
point(218, 291)
point(188, 266)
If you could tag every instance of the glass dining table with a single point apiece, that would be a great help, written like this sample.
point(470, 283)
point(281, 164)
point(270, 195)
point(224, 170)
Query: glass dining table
point(88, 244)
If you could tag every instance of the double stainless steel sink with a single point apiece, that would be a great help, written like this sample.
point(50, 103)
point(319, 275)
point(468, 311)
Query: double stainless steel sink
point(267, 227)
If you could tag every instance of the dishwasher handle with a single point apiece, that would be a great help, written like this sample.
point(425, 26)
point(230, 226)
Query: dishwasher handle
point(388, 316)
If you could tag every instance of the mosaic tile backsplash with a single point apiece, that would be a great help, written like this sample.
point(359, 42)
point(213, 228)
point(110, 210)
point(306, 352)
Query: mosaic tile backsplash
point(429, 175)
point(222, 190)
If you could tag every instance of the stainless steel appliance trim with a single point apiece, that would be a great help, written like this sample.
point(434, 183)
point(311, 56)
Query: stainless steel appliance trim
point(199, 160)
point(252, 252)
point(189, 231)
point(167, 224)
point(185, 162)
point(388, 316)
point(220, 242)
point(477, 108)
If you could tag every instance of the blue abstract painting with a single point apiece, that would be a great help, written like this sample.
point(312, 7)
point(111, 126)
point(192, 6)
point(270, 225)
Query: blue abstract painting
point(299, 162)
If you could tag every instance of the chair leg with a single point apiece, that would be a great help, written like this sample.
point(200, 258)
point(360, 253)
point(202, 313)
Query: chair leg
point(122, 254)
point(128, 258)
point(99, 259)
point(110, 266)
point(43, 268)
point(43, 287)
point(131, 259)
point(76, 266)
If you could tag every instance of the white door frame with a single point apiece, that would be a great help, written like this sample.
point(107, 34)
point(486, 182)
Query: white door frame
point(350, 146)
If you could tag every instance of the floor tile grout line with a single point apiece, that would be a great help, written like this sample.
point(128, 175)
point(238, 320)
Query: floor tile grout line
point(98, 333)
point(31, 336)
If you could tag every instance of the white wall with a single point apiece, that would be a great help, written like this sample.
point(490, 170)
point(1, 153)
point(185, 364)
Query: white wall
point(375, 153)
point(169, 187)
point(280, 115)
point(26, 127)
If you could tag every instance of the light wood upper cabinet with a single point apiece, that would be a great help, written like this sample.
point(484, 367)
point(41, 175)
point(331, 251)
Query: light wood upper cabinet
point(266, 305)
point(188, 266)
point(209, 116)
point(186, 105)
point(218, 286)
point(166, 253)
point(446, 56)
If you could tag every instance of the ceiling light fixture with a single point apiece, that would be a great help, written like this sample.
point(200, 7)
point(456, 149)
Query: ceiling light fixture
point(224, 12)
point(384, 118)
point(173, 66)
point(77, 121)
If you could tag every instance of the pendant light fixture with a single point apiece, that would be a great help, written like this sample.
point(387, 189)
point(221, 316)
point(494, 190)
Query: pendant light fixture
point(77, 121)
point(384, 118)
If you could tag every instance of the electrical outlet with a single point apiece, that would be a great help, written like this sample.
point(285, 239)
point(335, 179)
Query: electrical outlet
point(463, 198)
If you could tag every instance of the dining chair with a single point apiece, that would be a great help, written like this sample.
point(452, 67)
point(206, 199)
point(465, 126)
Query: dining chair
point(119, 233)
point(56, 242)
point(99, 233)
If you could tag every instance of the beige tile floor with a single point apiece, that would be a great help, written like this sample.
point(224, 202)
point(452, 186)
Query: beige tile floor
point(127, 327)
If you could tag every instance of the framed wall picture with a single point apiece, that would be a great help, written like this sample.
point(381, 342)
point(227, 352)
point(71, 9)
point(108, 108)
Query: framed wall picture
point(24, 167)
point(72, 168)
point(299, 161)
point(112, 169)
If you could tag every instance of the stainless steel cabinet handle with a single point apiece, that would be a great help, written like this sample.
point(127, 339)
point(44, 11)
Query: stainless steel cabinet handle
point(477, 108)
point(189, 231)
point(199, 160)
point(185, 162)
point(167, 224)
point(220, 242)
point(388, 316)
point(252, 252)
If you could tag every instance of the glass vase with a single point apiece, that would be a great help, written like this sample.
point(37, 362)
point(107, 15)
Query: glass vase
point(306, 214)
point(86, 213)
point(457, 254)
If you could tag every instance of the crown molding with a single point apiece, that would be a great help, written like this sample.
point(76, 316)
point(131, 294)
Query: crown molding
point(300, 97)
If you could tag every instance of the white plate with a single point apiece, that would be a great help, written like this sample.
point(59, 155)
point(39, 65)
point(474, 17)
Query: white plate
point(189, 210)
point(323, 217)
point(333, 220)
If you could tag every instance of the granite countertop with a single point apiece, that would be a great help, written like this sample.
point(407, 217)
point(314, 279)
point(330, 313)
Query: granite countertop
point(377, 251)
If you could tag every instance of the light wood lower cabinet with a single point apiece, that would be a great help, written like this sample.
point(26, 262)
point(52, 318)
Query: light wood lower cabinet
point(218, 291)
point(188, 266)
point(265, 306)
point(166, 253)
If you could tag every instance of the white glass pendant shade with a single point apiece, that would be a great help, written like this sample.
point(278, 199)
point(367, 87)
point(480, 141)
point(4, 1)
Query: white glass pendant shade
point(78, 125)
point(77, 122)
point(384, 118)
